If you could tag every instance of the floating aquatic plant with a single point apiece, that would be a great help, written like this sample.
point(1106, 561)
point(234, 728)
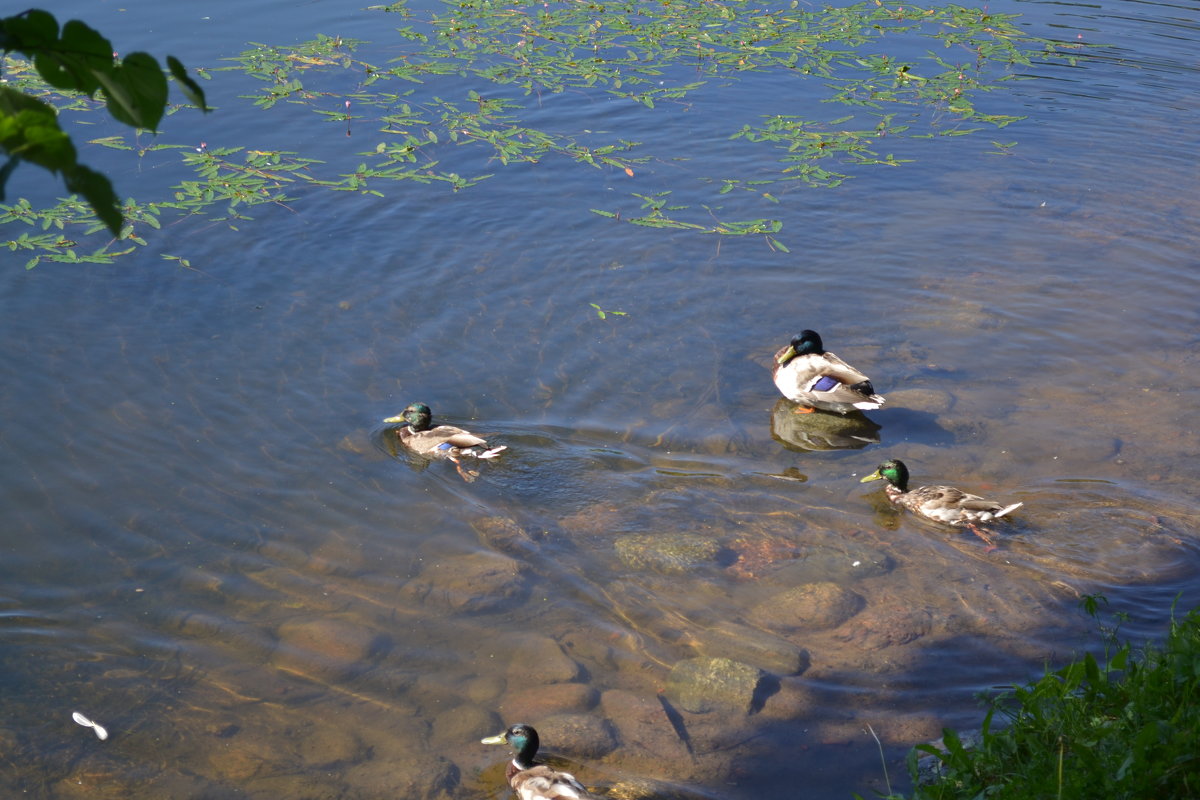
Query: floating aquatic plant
point(474, 74)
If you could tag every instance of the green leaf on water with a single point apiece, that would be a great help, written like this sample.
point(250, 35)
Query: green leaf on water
point(603, 314)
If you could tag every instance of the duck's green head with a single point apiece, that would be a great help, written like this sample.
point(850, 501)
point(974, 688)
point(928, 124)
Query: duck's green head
point(417, 415)
point(805, 343)
point(894, 472)
point(521, 738)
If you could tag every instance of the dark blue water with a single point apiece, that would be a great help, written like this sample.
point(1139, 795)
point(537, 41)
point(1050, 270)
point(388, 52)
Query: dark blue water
point(210, 549)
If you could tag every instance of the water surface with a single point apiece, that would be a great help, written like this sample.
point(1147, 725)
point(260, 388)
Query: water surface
point(212, 548)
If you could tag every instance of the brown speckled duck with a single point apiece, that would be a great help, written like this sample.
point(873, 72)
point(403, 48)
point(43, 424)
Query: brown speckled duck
point(421, 436)
point(943, 504)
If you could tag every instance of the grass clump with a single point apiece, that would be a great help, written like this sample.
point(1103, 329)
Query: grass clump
point(1129, 728)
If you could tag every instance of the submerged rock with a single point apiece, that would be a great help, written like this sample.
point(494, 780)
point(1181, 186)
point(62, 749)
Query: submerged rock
point(462, 723)
point(470, 583)
point(582, 736)
point(411, 776)
point(812, 607)
point(668, 553)
point(648, 789)
point(934, 401)
point(886, 625)
point(326, 746)
point(834, 561)
point(504, 535)
point(751, 646)
point(327, 648)
point(536, 702)
point(647, 733)
point(538, 659)
point(704, 684)
point(485, 690)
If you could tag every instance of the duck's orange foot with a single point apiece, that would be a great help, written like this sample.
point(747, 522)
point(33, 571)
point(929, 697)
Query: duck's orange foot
point(467, 475)
point(988, 539)
point(803, 410)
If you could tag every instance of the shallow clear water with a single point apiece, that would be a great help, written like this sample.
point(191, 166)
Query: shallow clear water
point(212, 548)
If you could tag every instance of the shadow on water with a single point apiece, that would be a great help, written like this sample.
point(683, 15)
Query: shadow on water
point(917, 426)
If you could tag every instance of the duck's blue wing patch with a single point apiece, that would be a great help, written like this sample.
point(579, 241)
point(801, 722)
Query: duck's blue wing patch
point(825, 383)
point(444, 446)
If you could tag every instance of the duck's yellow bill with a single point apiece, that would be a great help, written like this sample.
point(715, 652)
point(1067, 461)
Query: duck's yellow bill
point(497, 739)
point(874, 476)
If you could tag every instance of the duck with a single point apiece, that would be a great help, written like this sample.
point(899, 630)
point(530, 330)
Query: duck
point(421, 436)
point(532, 781)
point(814, 378)
point(944, 504)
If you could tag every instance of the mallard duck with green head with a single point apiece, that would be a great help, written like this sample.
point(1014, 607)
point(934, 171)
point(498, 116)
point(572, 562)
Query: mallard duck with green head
point(943, 504)
point(809, 375)
point(530, 780)
point(421, 436)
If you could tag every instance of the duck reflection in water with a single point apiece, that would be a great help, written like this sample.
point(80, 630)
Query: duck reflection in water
point(821, 430)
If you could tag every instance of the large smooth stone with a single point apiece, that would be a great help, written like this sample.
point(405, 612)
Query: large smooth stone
point(504, 535)
point(700, 685)
point(464, 723)
point(538, 659)
point(833, 562)
point(580, 736)
point(811, 607)
point(645, 730)
point(472, 583)
point(668, 553)
point(327, 648)
point(751, 646)
point(485, 690)
point(535, 702)
point(934, 401)
point(411, 776)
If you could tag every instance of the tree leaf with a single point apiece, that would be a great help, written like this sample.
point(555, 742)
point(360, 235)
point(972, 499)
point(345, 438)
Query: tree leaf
point(33, 30)
point(76, 61)
point(136, 91)
point(98, 191)
point(187, 84)
point(29, 131)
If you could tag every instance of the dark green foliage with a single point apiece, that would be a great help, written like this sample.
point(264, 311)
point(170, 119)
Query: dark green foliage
point(78, 59)
point(1129, 728)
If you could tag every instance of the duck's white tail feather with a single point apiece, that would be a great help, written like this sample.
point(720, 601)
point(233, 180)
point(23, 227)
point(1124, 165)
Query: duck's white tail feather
point(1007, 509)
point(495, 451)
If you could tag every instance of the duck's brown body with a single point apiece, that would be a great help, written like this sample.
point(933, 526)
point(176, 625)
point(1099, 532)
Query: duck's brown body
point(949, 505)
point(421, 436)
point(944, 504)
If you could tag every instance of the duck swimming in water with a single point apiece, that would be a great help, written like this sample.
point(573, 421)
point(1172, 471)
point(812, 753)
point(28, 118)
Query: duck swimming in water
point(814, 378)
point(532, 781)
point(421, 436)
point(943, 504)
